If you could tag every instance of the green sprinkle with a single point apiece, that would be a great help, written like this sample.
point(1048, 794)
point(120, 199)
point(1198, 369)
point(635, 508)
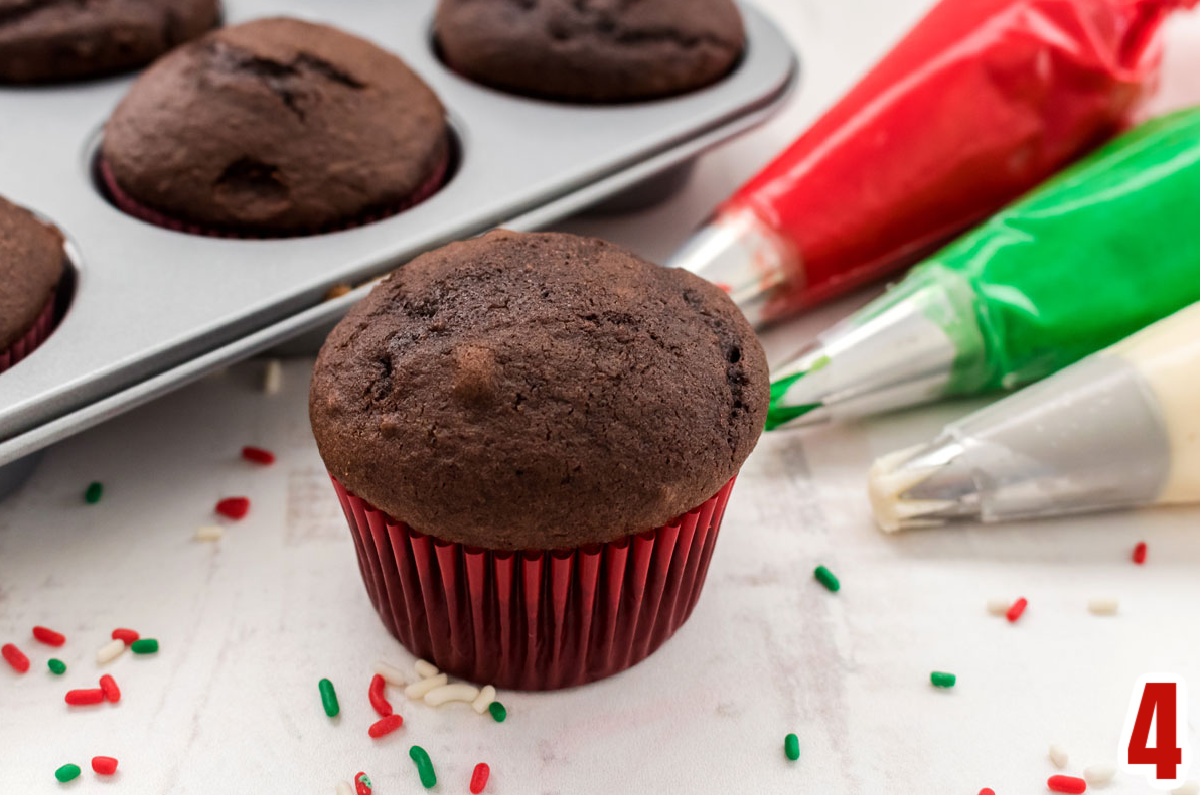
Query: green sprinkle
point(942, 679)
point(144, 646)
point(56, 665)
point(827, 578)
point(424, 766)
point(499, 713)
point(67, 773)
point(366, 781)
point(791, 747)
point(94, 492)
point(328, 698)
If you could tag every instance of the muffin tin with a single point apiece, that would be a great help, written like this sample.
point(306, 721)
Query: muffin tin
point(154, 309)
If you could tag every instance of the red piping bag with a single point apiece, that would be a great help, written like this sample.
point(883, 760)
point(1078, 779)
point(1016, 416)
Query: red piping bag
point(980, 102)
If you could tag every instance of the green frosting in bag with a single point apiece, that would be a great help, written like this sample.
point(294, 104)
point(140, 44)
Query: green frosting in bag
point(1102, 250)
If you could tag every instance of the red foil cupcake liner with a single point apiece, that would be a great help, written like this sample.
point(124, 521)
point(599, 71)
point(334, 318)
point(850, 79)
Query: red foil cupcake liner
point(31, 339)
point(534, 620)
point(131, 206)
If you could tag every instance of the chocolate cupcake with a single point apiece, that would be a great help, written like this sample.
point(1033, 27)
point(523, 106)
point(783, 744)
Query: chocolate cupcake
point(31, 267)
point(594, 50)
point(46, 42)
point(274, 128)
point(533, 438)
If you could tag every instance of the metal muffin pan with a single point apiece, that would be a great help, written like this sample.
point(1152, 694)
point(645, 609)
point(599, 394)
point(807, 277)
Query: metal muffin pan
point(154, 309)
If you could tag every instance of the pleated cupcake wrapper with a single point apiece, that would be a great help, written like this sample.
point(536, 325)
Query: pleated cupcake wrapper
point(32, 338)
point(131, 206)
point(534, 620)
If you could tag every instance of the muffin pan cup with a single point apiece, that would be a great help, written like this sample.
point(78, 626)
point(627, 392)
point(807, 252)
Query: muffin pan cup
point(154, 308)
point(534, 620)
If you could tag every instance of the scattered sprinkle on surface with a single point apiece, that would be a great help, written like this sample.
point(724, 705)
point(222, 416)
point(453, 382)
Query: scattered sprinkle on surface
point(93, 493)
point(791, 747)
point(209, 533)
point(827, 578)
point(273, 377)
point(104, 765)
point(1017, 610)
point(15, 657)
point(144, 646)
point(108, 686)
point(258, 455)
point(1104, 606)
point(127, 635)
point(486, 696)
point(1187, 788)
point(425, 669)
point(329, 700)
point(498, 712)
point(384, 726)
point(67, 772)
point(417, 690)
point(1069, 784)
point(942, 679)
point(987, 791)
point(233, 507)
point(110, 651)
point(84, 698)
point(1059, 756)
point(48, 636)
point(362, 784)
point(1099, 774)
point(479, 778)
point(344, 788)
point(447, 694)
point(1139, 553)
point(56, 665)
point(424, 766)
point(998, 606)
point(394, 676)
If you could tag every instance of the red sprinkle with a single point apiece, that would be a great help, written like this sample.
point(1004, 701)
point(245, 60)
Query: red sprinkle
point(361, 787)
point(108, 686)
point(1139, 553)
point(1018, 607)
point(16, 658)
point(385, 726)
point(234, 507)
point(49, 636)
point(987, 791)
point(84, 698)
point(258, 455)
point(104, 765)
point(1067, 784)
point(375, 694)
point(127, 635)
point(479, 778)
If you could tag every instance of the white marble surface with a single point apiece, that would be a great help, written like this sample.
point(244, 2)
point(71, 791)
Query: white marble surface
point(249, 625)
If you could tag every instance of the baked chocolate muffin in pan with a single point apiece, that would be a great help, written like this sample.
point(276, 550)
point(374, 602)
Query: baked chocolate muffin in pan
point(155, 308)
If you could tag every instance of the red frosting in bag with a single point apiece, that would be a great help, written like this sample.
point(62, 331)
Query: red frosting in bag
point(980, 102)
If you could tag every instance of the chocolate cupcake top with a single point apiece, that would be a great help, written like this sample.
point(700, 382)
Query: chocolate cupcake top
point(31, 265)
point(538, 392)
point(43, 41)
point(278, 126)
point(591, 50)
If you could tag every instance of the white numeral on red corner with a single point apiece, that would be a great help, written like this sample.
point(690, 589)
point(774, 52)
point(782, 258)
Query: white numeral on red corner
point(1154, 742)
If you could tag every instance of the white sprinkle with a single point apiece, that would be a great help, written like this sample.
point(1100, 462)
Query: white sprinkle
point(110, 651)
point(425, 669)
point(484, 700)
point(273, 377)
point(209, 533)
point(448, 693)
point(344, 788)
point(1103, 607)
point(998, 607)
point(1187, 788)
point(1098, 775)
point(391, 674)
point(417, 690)
point(1058, 755)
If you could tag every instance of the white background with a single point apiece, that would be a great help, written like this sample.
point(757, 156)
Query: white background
point(248, 626)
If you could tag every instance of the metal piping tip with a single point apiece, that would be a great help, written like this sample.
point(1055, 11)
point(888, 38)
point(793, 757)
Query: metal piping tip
point(923, 486)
